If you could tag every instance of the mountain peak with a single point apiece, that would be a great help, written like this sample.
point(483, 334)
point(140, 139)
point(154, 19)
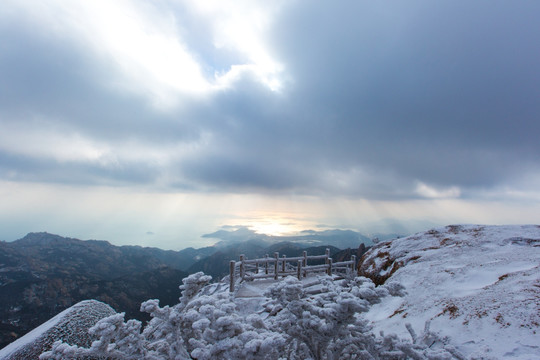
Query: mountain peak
point(41, 237)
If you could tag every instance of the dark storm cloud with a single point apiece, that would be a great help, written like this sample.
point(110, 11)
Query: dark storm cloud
point(445, 93)
point(376, 98)
point(432, 90)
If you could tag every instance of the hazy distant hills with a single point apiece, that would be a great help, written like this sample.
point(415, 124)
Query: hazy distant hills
point(61, 252)
point(341, 239)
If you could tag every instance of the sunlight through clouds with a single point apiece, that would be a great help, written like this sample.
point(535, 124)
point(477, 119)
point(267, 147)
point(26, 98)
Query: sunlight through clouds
point(427, 191)
point(150, 56)
point(275, 223)
point(241, 26)
point(147, 50)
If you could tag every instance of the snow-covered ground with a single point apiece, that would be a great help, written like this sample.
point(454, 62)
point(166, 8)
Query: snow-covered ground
point(480, 285)
point(256, 289)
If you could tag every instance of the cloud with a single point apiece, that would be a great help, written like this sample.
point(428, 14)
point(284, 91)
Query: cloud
point(240, 27)
point(171, 52)
point(427, 191)
point(383, 101)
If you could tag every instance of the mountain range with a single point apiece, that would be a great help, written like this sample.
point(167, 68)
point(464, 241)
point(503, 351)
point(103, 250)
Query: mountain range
point(42, 274)
point(341, 239)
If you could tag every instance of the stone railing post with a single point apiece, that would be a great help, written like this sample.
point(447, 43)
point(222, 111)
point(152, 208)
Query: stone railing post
point(242, 267)
point(330, 266)
point(276, 265)
point(232, 264)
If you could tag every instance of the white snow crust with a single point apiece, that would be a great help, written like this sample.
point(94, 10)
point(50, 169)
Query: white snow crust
point(479, 285)
point(70, 326)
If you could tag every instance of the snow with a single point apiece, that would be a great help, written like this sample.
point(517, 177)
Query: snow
point(250, 297)
point(479, 285)
point(253, 289)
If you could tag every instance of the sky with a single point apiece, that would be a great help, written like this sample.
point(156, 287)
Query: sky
point(157, 122)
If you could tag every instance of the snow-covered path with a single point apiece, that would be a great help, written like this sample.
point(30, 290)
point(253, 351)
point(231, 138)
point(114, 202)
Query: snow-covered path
point(256, 288)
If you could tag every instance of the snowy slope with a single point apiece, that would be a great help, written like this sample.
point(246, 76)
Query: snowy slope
point(480, 285)
point(71, 326)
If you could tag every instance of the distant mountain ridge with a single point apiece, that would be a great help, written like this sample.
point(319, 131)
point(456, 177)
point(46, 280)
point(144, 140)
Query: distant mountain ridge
point(180, 260)
point(341, 239)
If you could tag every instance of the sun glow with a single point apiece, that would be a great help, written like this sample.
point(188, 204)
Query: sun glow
point(274, 225)
point(272, 228)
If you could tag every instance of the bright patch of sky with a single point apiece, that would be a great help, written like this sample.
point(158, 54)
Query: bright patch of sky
point(147, 43)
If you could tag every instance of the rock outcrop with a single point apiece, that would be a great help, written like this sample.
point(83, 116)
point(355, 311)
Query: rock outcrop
point(71, 326)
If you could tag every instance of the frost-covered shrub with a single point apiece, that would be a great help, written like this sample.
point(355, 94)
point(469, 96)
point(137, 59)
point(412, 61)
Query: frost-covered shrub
point(216, 331)
point(161, 338)
point(117, 340)
point(201, 327)
point(328, 325)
